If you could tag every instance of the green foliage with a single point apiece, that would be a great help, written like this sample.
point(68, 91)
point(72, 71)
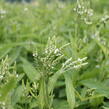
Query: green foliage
point(43, 52)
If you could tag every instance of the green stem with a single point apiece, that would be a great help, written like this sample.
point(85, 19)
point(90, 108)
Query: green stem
point(43, 94)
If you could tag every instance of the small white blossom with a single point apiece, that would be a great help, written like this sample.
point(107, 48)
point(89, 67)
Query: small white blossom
point(106, 17)
point(69, 60)
point(2, 11)
point(97, 66)
point(25, 9)
point(87, 22)
point(79, 6)
point(17, 75)
point(3, 103)
point(1, 16)
point(90, 12)
point(56, 51)
point(1, 76)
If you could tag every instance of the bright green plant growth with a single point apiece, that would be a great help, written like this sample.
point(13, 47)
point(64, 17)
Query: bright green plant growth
point(51, 64)
point(40, 71)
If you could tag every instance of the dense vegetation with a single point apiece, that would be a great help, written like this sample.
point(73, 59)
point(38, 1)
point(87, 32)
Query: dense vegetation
point(54, 55)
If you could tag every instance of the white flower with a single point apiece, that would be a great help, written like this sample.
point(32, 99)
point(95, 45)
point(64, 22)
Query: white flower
point(79, 6)
point(69, 60)
point(2, 11)
point(87, 22)
point(1, 76)
point(106, 17)
point(74, 9)
point(25, 9)
point(90, 12)
point(1, 16)
point(35, 54)
point(17, 75)
point(56, 51)
point(97, 66)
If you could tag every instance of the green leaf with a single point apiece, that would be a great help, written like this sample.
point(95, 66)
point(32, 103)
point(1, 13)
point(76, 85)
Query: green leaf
point(14, 54)
point(89, 74)
point(103, 48)
point(97, 85)
point(70, 91)
point(30, 70)
point(34, 104)
point(17, 94)
point(87, 49)
point(4, 50)
point(60, 104)
point(7, 88)
point(52, 81)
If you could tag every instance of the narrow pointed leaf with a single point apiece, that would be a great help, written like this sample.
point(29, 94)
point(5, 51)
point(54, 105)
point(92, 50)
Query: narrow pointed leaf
point(70, 92)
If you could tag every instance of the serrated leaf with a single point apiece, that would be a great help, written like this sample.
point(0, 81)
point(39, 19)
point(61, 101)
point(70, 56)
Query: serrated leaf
point(30, 70)
point(97, 85)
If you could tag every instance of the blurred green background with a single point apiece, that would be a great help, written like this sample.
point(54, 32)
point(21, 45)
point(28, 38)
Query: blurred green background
point(27, 25)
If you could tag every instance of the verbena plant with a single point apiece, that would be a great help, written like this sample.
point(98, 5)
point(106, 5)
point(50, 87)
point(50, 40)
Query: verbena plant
point(51, 64)
point(84, 25)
